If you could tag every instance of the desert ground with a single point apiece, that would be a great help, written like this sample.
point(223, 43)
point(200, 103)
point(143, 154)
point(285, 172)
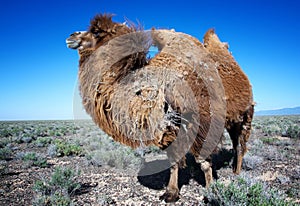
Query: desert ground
point(73, 162)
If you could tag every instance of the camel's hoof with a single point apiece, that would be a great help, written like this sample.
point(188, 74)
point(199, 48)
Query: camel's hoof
point(236, 171)
point(170, 196)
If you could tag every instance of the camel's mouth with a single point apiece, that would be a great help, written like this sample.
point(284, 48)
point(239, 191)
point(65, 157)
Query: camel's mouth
point(72, 44)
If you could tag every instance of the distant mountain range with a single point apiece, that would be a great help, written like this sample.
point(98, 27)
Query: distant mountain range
point(284, 111)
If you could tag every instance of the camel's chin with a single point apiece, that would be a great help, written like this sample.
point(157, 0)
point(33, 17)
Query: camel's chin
point(73, 46)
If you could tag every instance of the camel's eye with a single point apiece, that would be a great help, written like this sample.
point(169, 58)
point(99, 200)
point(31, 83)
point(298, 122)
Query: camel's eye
point(96, 35)
point(75, 33)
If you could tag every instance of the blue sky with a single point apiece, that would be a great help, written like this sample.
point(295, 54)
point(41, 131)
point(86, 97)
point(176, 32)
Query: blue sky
point(39, 73)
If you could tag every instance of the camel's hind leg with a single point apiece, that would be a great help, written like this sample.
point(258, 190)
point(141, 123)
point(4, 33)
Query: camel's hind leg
point(244, 136)
point(234, 133)
point(239, 134)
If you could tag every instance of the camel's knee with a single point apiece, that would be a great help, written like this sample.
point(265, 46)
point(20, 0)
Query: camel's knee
point(206, 168)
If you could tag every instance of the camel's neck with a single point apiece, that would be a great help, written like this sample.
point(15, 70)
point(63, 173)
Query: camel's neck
point(115, 55)
point(108, 74)
point(100, 73)
point(84, 54)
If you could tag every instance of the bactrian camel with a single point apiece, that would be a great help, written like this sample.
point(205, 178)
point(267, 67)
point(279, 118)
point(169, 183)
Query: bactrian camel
point(177, 100)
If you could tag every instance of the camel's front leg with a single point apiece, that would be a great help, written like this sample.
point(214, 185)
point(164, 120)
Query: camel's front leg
point(172, 191)
point(206, 168)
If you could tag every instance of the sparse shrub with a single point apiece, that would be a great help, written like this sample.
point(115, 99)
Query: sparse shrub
point(4, 141)
point(52, 150)
point(43, 141)
point(293, 192)
point(22, 139)
point(256, 146)
point(32, 159)
point(251, 162)
point(5, 153)
point(102, 150)
point(64, 179)
point(60, 148)
point(105, 200)
point(272, 129)
point(293, 131)
point(242, 191)
point(66, 149)
point(29, 156)
point(41, 200)
point(40, 131)
point(17, 139)
point(283, 179)
point(152, 149)
point(278, 125)
point(269, 140)
point(256, 125)
point(57, 134)
point(51, 133)
point(58, 189)
point(3, 167)
point(60, 199)
point(5, 133)
point(122, 158)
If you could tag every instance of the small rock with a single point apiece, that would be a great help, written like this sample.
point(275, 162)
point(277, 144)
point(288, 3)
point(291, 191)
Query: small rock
point(9, 145)
point(39, 144)
point(27, 139)
point(283, 179)
point(269, 176)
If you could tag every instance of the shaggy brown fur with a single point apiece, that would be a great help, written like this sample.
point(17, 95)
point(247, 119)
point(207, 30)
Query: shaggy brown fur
point(104, 29)
point(176, 101)
point(237, 86)
point(239, 98)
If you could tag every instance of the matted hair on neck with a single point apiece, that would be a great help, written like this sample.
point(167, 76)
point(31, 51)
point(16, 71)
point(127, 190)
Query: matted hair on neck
point(101, 23)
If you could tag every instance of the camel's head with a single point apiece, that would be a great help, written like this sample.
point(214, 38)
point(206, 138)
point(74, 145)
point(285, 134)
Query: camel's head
point(101, 30)
point(81, 40)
